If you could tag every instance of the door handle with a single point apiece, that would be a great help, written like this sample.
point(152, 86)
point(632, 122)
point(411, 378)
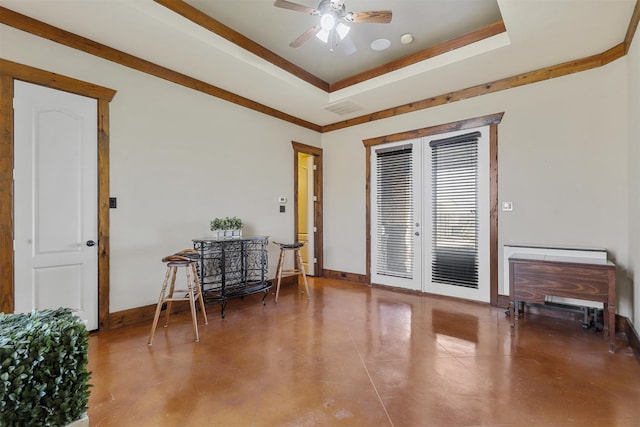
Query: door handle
point(90, 243)
point(417, 233)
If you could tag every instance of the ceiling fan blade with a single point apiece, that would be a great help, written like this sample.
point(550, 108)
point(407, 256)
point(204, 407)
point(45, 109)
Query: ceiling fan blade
point(295, 6)
point(302, 38)
point(372, 16)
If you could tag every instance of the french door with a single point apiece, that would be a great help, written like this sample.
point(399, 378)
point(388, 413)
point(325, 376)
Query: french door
point(430, 214)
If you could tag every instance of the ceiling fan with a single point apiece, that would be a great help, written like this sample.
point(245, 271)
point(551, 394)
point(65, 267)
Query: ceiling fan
point(332, 28)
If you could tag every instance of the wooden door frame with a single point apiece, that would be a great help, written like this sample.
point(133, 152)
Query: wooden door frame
point(492, 121)
point(10, 71)
point(317, 211)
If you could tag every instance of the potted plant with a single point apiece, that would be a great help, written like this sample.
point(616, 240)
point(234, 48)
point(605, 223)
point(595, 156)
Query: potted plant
point(43, 374)
point(235, 226)
point(226, 227)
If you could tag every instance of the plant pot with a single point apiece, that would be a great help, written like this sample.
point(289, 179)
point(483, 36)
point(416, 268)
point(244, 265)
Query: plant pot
point(217, 233)
point(81, 422)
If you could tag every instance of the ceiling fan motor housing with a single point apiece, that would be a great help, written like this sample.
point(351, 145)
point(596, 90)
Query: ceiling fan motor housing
point(333, 7)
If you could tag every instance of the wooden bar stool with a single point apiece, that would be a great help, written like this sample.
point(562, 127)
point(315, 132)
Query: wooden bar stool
point(185, 259)
point(297, 259)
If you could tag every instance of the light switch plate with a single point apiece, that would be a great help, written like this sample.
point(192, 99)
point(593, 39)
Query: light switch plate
point(507, 206)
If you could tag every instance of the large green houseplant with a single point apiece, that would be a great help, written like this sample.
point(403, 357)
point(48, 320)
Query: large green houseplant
point(43, 375)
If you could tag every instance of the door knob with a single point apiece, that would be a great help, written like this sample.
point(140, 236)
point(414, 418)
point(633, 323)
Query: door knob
point(90, 243)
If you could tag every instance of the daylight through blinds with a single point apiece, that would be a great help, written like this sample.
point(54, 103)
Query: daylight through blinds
point(394, 201)
point(455, 210)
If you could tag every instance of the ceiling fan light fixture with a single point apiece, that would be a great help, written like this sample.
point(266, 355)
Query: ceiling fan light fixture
point(342, 30)
point(323, 35)
point(327, 21)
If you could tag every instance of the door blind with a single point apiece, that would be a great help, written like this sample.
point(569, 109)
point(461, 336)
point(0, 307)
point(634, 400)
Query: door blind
point(455, 210)
point(394, 217)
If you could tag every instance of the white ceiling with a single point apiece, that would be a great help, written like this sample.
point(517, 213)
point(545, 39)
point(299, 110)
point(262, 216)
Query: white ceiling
point(431, 22)
point(540, 33)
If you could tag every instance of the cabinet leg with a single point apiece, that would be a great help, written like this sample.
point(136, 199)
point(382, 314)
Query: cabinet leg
point(223, 304)
point(512, 312)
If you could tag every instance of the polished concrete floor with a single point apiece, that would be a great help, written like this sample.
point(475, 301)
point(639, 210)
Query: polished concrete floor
point(359, 356)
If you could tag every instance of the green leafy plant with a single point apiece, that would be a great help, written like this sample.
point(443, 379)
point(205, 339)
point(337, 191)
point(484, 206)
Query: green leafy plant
point(217, 224)
point(234, 223)
point(43, 375)
point(227, 223)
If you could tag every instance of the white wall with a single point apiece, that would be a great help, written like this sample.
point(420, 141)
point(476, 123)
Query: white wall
point(563, 148)
point(178, 158)
point(568, 149)
point(634, 173)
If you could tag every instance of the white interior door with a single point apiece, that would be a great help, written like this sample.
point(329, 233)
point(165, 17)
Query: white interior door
point(55, 202)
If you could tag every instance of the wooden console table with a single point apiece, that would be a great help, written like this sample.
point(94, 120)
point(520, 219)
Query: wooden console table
point(532, 277)
point(232, 268)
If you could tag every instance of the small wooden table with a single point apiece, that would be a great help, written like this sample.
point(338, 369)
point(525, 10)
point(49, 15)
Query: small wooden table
point(532, 277)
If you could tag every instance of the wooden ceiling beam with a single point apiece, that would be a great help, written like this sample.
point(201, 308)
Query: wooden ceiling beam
point(530, 77)
point(430, 52)
point(42, 29)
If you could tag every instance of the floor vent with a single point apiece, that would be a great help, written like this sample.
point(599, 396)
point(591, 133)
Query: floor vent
point(343, 107)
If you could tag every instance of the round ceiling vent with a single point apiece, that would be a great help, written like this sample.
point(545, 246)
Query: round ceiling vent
point(380, 44)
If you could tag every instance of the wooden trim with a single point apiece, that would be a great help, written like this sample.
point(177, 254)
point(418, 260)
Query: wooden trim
point(6, 194)
point(296, 200)
point(367, 202)
point(308, 149)
point(132, 316)
point(319, 205)
point(348, 277)
point(624, 324)
point(486, 88)
point(491, 120)
point(103, 215)
point(631, 29)
point(433, 51)
point(39, 28)
point(493, 214)
point(10, 71)
point(54, 81)
point(202, 19)
point(145, 313)
point(502, 301)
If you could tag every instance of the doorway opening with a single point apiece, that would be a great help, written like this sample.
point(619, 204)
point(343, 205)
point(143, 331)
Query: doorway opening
point(307, 165)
